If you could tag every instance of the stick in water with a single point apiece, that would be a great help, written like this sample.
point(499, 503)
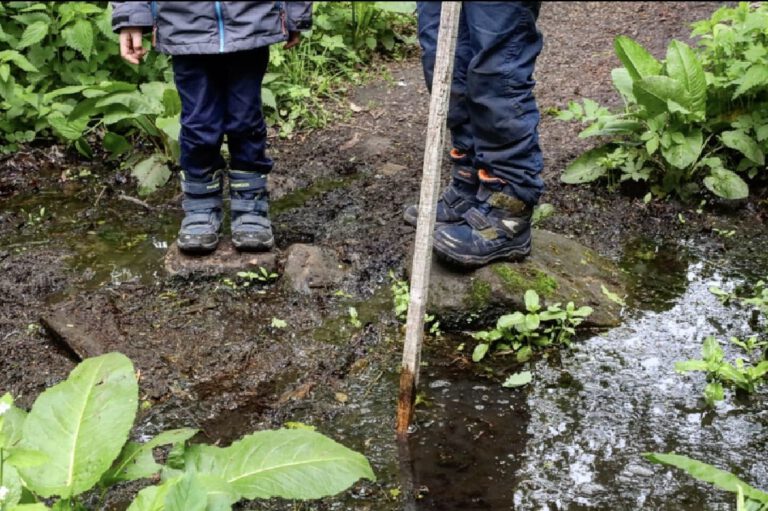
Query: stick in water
point(430, 188)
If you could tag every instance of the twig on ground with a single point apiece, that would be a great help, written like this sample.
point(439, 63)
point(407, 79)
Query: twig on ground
point(136, 201)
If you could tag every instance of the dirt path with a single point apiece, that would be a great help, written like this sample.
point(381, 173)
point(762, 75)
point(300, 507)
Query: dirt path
point(207, 353)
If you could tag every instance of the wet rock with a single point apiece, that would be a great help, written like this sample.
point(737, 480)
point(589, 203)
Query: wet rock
point(309, 266)
point(391, 169)
point(226, 259)
point(559, 270)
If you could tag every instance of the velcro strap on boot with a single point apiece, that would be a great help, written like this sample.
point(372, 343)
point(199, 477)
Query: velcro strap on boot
point(203, 204)
point(451, 196)
point(250, 219)
point(476, 219)
point(240, 181)
point(465, 174)
point(249, 206)
point(201, 187)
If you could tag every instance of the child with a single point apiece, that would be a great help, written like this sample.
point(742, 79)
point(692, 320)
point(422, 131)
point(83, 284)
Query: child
point(220, 52)
point(485, 213)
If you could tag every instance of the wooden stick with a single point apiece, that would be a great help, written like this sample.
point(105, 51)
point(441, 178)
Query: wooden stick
point(430, 189)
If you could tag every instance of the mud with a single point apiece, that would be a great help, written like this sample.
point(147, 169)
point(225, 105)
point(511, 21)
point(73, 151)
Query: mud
point(210, 358)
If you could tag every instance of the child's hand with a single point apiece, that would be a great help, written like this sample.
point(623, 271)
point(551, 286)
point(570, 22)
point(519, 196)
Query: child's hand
point(293, 40)
point(130, 45)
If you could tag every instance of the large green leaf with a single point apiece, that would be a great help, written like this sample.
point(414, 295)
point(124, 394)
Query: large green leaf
point(79, 37)
point(12, 482)
point(756, 76)
point(69, 129)
point(684, 66)
point(81, 424)
point(707, 473)
point(33, 34)
point(622, 80)
point(398, 7)
point(654, 93)
point(18, 59)
point(186, 495)
point(293, 464)
point(746, 145)
point(585, 168)
point(216, 495)
point(636, 59)
point(152, 173)
point(685, 149)
point(727, 184)
point(136, 460)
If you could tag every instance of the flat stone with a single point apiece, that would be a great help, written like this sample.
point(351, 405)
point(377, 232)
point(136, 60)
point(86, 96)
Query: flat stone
point(308, 267)
point(391, 169)
point(559, 270)
point(225, 260)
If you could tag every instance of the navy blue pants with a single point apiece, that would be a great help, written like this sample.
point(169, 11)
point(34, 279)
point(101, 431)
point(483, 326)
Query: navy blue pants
point(493, 116)
point(221, 95)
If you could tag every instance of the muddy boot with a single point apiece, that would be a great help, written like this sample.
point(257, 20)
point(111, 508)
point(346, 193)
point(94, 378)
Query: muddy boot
point(202, 204)
point(499, 228)
point(457, 198)
point(251, 228)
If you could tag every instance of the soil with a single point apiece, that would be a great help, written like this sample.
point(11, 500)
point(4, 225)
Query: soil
point(207, 354)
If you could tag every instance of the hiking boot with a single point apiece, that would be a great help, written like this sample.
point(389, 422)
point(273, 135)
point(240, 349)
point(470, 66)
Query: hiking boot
point(251, 228)
point(457, 198)
point(202, 204)
point(499, 228)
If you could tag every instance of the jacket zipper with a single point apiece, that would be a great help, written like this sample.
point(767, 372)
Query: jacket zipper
point(153, 8)
point(220, 20)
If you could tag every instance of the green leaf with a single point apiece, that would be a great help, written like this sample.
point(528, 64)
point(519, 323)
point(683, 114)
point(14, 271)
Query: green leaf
point(116, 144)
point(5, 72)
point(479, 352)
point(12, 481)
point(151, 173)
point(18, 59)
point(743, 143)
point(268, 98)
point(685, 150)
point(81, 424)
point(585, 168)
point(524, 354)
point(293, 464)
point(612, 296)
point(33, 34)
point(12, 422)
point(532, 322)
point(711, 350)
point(136, 460)
point(152, 498)
point(636, 59)
point(726, 184)
point(518, 379)
point(23, 458)
point(707, 473)
point(171, 126)
point(756, 76)
point(690, 365)
point(531, 300)
point(622, 80)
point(79, 37)
point(714, 392)
point(685, 66)
point(397, 7)
point(69, 129)
point(186, 495)
point(654, 93)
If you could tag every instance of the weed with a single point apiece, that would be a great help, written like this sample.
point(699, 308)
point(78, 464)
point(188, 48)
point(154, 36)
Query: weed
point(520, 333)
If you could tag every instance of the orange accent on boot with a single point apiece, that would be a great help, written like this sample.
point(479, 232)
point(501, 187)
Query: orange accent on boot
point(485, 177)
point(455, 153)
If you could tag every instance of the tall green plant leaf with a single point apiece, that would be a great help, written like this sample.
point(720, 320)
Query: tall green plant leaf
point(186, 495)
point(707, 473)
point(654, 93)
point(81, 424)
point(756, 76)
point(293, 464)
point(636, 59)
point(684, 66)
point(622, 80)
point(585, 168)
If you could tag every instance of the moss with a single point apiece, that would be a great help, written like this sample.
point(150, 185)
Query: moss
point(518, 282)
point(479, 295)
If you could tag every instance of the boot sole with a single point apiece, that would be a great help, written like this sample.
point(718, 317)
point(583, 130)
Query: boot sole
point(508, 254)
point(254, 247)
point(197, 249)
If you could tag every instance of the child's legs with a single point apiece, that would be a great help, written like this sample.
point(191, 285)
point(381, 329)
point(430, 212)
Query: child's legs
point(503, 111)
point(244, 122)
point(458, 115)
point(202, 114)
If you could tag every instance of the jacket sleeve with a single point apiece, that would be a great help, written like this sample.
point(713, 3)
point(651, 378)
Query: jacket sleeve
point(299, 15)
point(131, 14)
